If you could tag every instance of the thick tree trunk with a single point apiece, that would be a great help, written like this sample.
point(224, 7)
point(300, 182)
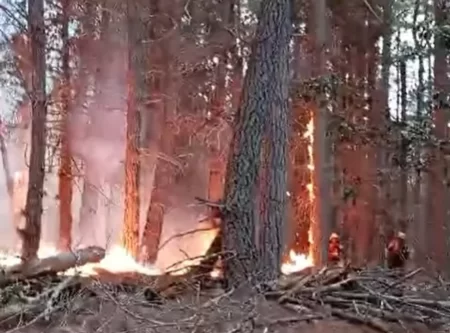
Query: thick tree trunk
point(418, 231)
point(130, 233)
point(154, 212)
point(137, 97)
point(382, 117)
point(169, 83)
point(300, 173)
point(299, 181)
point(33, 209)
point(321, 223)
point(262, 87)
point(437, 207)
point(376, 120)
point(52, 265)
point(65, 167)
point(274, 223)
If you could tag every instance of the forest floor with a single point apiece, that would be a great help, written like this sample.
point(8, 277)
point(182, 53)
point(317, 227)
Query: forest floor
point(195, 314)
point(105, 307)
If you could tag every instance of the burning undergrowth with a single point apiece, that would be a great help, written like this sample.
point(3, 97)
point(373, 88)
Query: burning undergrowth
point(379, 300)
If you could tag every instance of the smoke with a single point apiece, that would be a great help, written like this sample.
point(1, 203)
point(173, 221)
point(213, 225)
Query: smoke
point(97, 131)
point(194, 238)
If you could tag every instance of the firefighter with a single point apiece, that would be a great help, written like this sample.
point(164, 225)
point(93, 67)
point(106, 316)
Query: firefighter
point(334, 249)
point(397, 252)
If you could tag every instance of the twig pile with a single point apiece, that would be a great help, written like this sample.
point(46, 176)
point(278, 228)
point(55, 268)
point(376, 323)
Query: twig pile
point(36, 298)
point(371, 297)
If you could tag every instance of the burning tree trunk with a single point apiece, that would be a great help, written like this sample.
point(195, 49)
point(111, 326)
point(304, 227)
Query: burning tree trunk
point(299, 181)
point(300, 175)
point(33, 209)
point(261, 93)
point(137, 96)
point(65, 168)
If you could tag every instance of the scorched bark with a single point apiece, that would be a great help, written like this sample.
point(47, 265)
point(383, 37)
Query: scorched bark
point(266, 64)
point(33, 209)
point(65, 168)
point(137, 96)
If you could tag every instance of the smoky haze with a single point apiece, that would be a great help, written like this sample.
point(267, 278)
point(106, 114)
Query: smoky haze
point(97, 129)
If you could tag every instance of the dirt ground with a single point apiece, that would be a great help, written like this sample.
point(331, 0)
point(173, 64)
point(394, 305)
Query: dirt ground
point(110, 311)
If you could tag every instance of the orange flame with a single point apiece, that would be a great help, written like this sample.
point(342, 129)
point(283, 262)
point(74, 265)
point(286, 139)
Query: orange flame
point(297, 261)
point(117, 260)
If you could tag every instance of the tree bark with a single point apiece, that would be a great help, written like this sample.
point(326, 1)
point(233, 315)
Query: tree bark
point(89, 208)
point(52, 265)
point(321, 222)
point(166, 48)
point(383, 119)
point(437, 208)
point(65, 167)
point(33, 209)
point(418, 232)
point(137, 97)
point(261, 89)
point(274, 219)
point(300, 173)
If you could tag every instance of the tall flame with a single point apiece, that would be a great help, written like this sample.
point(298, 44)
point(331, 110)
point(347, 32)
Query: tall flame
point(297, 261)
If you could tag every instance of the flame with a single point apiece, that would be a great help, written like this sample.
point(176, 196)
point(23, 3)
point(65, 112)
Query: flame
point(298, 261)
point(117, 260)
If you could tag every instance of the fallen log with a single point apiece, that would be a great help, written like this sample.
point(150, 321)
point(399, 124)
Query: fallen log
point(52, 265)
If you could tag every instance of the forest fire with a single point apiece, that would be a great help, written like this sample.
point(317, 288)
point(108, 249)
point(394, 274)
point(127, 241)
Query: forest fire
point(116, 259)
point(298, 261)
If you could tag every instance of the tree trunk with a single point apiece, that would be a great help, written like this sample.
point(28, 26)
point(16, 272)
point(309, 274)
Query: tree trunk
point(274, 222)
point(262, 89)
point(382, 119)
point(375, 115)
point(418, 231)
point(438, 177)
point(165, 173)
point(137, 97)
point(403, 151)
point(33, 209)
point(89, 209)
point(300, 173)
point(65, 167)
point(321, 222)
